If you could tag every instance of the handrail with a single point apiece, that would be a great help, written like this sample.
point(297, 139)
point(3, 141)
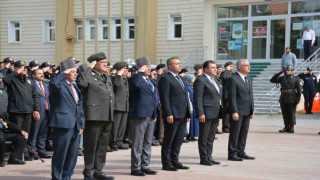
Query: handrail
point(274, 96)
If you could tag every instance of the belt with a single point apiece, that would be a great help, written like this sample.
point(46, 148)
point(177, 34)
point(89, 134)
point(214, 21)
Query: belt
point(286, 90)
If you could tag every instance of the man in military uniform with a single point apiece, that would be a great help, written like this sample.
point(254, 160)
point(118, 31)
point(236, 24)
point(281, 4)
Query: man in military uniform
point(47, 70)
point(33, 65)
point(121, 92)
point(225, 75)
point(289, 98)
point(8, 66)
point(98, 103)
point(310, 88)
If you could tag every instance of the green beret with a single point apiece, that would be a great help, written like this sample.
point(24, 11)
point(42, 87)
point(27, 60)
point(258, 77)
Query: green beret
point(197, 67)
point(120, 65)
point(97, 57)
point(219, 66)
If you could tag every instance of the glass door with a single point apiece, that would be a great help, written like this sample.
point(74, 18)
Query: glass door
point(277, 38)
point(259, 39)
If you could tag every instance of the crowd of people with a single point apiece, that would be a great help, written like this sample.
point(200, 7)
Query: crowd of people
point(93, 109)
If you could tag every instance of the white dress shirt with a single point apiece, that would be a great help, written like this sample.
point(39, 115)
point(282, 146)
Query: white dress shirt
point(242, 77)
point(308, 35)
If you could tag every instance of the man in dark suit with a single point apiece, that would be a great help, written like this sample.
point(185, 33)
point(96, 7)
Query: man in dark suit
point(98, 102)
point(66, 119)
point(142, 116)
point(241, 109)
point(39, 129)
point(207, 101)
point(121, 92)
point(175, 104)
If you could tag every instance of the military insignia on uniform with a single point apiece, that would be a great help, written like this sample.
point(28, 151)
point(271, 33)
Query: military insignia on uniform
point(5, 124)
point(93, 73)
point(22, 63)
point(73, 58)
point(29, 82)
point(95, 79)
point(48, 62)
point(10, 59)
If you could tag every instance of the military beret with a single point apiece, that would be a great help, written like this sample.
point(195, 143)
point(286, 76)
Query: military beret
point(197, 67)
point(46, 64)
point(74, 59)
point(19, 64)
point(159, 66)
point(143, 61)
point(97, 57)
point(228, 64)
point(67, 64)
point(33, 63)
point(219, 66)
point(120, 65)
point(8, 60)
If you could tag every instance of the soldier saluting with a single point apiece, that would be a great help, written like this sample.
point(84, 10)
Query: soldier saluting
point(289, 98)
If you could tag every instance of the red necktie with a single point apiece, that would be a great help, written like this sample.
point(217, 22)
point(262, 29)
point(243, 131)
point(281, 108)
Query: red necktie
point(74, 93)
point(44, 94)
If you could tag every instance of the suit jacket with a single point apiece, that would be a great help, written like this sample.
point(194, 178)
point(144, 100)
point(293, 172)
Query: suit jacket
point(42, 99)
point(64, 111)
point(98, 97)
point(174, 99)
point(240, 97)
point(121, 92)
point(143, 99)
point(206, 97)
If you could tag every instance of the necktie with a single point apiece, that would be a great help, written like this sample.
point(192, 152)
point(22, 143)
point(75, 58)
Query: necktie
point(180, 81)
point(247, 82)
point(215, 85)
point(74, 93)
point(44, 94)
point(103, 78)
point(150, 84)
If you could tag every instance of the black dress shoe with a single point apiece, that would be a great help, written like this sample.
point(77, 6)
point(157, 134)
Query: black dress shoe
point(109, 149)
point(245, 156)
point(45, 156)
point(178, 165)
point(102, 176)
point(2, 164)
point(219, 132)
point(194, 139)
point(123, 147)
point(149, 171)
point(226, 130)
point(318, 132)
point(185, 141)
point(188, 139)
point(291, 129)
point(285, 129)
point(88, 177)
point(206, 163)
point(214, 162)
point(234, 158)
point(80, 153)
point(34, 157)
point(155, 144)
point(114, 148)
point(15, 161)
point(137, 173)
point(28, 158)
point(169, 167)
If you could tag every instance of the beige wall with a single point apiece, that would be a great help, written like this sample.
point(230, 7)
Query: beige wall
point(31, 13)
point(210, 29)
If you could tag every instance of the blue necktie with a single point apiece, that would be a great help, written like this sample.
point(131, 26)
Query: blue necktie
point(150, 84)
point(180, 81)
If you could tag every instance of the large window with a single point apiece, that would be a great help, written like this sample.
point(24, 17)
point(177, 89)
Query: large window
point(79, 30)
point(175, 28)
point(130, 28)
point(104, 29)
point(14, 32)
point(49, 31)
point(233, 11)
point(92, 29)
point(309, 6)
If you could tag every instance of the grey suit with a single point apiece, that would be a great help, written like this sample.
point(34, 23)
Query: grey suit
point(240, 99)
point(121, 91)
point(207, 100)
point(98, 107)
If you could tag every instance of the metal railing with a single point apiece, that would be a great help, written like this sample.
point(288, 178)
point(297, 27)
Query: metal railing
point(315, 63)
point(194, 57)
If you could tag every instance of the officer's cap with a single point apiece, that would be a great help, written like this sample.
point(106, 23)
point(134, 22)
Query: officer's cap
point(20, 64)
point(74, 59)
point(8, 60)
point(120, 65)
point(33, 63)
point(97, 57)
point(46, 64)
point(159, 66)
point(289, 68)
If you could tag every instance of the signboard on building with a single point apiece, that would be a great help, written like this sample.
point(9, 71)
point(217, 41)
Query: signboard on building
point(260, 31)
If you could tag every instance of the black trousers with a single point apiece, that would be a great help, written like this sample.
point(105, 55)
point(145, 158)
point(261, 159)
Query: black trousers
point(308, 50)
point(95, 141)
point(19, 143)
point(173, 139)
point(288, 113)
point(207, 132)
point(119, 126)
point(308, 100)
point(225, 115)
point(23, 120)
point(238, 135)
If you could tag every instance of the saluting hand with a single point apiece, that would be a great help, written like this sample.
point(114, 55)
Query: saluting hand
point(36, 116)
point(121, 71)
point(170, 119)
point(92, 64)
point(143, 68)
point(235, 116)
point(19, 70)
point(202, 118)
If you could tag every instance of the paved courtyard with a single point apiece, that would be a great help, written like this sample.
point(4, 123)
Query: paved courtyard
point(279, 156)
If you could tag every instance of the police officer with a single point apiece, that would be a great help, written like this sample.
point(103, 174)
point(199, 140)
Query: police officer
point(33, 65)
point(289, 98)
point(8, 66)
point(310, 88)
point(47, 70)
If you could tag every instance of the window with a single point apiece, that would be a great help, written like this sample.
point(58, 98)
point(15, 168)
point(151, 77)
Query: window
point(130, 29)
point(79, 30)
point(49, 31)
point(14, 32)
point(175, 27)
point(104, 29)
point(233, 11)
point(117, 26)
point(92, 29)
point(305, 7)
point(269, 9)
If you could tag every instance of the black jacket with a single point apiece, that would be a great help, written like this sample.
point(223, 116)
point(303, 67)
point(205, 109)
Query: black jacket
point(23, 97)
point(12, 128)
point(225, 75)
point(310, 82)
